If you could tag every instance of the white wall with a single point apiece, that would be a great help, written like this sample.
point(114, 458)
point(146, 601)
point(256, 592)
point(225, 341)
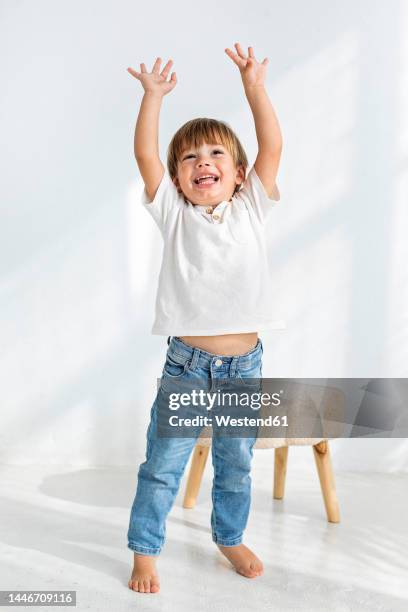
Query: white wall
point(79, 256)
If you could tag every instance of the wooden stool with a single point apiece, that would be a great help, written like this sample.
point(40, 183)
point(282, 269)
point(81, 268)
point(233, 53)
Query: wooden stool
point(324, 469)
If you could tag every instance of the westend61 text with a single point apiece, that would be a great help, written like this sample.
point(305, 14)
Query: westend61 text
point(227, 421)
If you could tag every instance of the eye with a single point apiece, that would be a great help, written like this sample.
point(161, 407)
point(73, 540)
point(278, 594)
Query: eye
point(192, 154)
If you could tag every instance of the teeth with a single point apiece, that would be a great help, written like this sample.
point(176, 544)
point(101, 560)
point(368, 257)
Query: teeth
point(201, 178)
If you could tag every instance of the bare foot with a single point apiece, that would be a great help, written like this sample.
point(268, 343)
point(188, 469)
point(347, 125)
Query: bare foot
point(144, 578)
point(243, 559)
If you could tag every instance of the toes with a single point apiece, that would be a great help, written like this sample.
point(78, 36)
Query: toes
point(247, 573)
point(251, 571)
point(144, 586)
point(257, 567)
point(154, 584)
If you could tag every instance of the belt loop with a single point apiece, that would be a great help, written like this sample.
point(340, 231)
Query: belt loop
point(168, 340)
point(233, 366)
point(194, 360)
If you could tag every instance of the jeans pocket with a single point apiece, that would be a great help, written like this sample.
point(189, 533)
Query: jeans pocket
point(250, 377)
point(175, 366)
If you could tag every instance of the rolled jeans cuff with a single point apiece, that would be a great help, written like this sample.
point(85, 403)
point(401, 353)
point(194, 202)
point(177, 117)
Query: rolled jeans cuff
point(222, 542)
point(143, 550)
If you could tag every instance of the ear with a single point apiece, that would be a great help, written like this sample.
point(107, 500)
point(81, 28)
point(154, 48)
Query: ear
point(240, 175)
point(177, 184)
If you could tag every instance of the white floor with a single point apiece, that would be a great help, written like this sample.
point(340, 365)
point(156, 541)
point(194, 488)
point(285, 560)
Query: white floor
point(66, 529)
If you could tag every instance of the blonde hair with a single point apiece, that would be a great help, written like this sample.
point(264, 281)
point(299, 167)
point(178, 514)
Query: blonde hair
point(197, 131)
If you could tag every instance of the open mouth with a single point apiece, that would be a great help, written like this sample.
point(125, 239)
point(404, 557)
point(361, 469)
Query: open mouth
point(208, 179)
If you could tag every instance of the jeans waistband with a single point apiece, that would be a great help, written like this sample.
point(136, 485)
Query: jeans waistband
point(204, 358)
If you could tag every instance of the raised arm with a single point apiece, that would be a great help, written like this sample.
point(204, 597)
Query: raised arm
point(266, 123)
point(146, 141)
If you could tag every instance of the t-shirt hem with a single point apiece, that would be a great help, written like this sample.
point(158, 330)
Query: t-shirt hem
point(275, 325)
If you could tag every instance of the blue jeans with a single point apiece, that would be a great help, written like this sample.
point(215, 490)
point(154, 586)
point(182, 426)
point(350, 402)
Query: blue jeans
point(166, 457)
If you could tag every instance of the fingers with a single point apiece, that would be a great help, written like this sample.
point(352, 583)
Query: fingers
point(235, 58)
point(156, 67)
point(166, 69)
point(240, 58)
point(240, 53)
point(134, 73)
point(239, 50)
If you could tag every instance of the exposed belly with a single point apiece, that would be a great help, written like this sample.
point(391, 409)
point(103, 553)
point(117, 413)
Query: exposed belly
point(228, 344)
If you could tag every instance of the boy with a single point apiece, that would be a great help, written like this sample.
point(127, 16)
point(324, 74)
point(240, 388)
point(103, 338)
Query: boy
point(211, 298)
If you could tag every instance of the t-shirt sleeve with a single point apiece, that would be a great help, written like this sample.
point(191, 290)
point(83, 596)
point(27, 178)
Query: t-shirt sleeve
point(254, 196)
point(166, 199)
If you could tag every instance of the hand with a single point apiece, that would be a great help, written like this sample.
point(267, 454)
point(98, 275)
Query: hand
point(155, 82)
point(252, 72)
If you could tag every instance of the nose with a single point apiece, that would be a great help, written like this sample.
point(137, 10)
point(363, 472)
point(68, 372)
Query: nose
point(201, 161)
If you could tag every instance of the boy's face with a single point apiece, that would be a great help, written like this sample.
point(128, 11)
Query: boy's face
point(207, 159)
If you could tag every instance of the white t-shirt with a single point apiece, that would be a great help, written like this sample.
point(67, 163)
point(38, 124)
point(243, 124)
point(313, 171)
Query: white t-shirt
point(214, 278)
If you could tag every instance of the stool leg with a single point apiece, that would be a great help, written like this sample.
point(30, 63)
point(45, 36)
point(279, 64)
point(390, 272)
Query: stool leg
point(279, 477)
point(195, 475)
point(324, 468)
